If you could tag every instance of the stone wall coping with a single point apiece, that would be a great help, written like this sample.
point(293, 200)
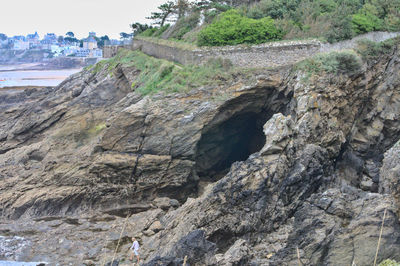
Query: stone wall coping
point(268, 54)
point(278, 44)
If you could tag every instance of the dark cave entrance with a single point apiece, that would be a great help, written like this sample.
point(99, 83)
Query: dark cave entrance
point(234, 139)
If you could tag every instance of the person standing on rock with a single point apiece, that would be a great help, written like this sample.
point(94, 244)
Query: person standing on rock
point(135, 250)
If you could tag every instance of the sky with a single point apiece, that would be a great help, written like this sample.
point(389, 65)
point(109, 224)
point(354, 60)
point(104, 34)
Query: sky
point(105, 17)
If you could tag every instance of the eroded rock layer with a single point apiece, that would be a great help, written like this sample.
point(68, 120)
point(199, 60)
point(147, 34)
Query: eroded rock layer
point(250, 173)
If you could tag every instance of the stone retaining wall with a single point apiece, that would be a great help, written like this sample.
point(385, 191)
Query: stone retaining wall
point(264, 55)
point(112, 50)
point(170, 53)
point(377, 36)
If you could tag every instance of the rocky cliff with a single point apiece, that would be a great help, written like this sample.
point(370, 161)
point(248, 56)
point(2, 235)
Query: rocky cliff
point(283, 166)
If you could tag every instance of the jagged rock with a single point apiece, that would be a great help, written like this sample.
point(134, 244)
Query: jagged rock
point(250, 172)
point(366, 183)
point(278, 131)
point(156, 227)
point(390, 173)
point(149, 232)
point(237, 254)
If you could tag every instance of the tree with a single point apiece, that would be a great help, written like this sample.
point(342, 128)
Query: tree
point(102, 41)
point(139, 28)
point(71, 40)
point(60, 39)
point(182, 7)
point(3, 37)
point(70, 34)
point(165, 11)
point(125, 35)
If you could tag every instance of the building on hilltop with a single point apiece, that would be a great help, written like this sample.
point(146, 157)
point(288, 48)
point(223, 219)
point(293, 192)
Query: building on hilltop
point(34, 40)
point(82, 52)
point(56, 50)
point(70, 50)
point(20, 45)
point(48, 40)
point(90, 43)
point(32, 37)
point(96, 53)
point(18, 38)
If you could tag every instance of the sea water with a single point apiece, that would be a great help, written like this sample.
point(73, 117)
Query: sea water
point(40, 78)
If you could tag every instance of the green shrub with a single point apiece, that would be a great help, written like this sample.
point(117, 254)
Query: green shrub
point(389, 262)
point(340, 27)
point(334, 62)
point(160, 30)
point(370, 50)
point(366, 20)
point(149, 32)
point(210, 15)
point(392, 22)
point(232, 28)
point(273, 8)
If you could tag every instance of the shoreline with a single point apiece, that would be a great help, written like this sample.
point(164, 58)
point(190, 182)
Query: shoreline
point(24, 87)
point(20, 77)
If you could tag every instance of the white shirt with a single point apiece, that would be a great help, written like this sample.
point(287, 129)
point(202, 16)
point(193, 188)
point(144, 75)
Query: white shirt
point(135, 245)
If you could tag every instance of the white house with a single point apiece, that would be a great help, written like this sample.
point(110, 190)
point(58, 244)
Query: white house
point(96, 53)
point(56, 50)
point(82, 52)
point(70, 50)
point(21, 45)
point(90, 43)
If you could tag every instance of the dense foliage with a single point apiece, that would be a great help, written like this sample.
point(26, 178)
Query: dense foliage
point(233, 28)
point(331, 20)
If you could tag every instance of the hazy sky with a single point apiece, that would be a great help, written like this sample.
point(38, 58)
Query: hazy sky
point(20, 17)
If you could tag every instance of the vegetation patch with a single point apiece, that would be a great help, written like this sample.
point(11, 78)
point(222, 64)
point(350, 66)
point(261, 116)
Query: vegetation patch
point(346, 62)
point(369, 50)
point(157, 75)
point(171, 43)
point(162, 75)
point(124, 57)
point(232, 28)
point(183, 26)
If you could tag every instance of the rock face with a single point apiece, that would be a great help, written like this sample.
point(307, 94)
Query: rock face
point(249, 173)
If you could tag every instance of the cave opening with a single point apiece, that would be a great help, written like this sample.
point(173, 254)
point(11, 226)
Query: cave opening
point(231, 140)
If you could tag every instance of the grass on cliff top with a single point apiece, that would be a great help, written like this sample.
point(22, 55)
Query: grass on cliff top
point(162, 75)
point(347, 62)
point(369, 50)
point(170, 42)
point(344, 62)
